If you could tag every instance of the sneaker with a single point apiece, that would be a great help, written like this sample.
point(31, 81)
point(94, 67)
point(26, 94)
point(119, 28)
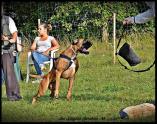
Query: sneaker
point(11, 99)
point(36, 81)
point(36, 76)
point(42, 67)
point(15, 98)
point(18, 96)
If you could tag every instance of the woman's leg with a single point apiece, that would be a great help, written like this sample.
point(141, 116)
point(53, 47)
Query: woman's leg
point(38, 60)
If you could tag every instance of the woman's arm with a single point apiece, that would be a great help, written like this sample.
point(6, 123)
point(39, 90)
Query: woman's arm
point(33, 47)
point(54, 46)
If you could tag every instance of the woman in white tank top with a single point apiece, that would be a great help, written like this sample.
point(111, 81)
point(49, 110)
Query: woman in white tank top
point(42, 46)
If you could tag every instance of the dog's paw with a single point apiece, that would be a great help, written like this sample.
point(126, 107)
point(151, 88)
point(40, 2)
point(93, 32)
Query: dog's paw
point(56, 96)
point(33, 101)
point(52, 95)
point(69, 97)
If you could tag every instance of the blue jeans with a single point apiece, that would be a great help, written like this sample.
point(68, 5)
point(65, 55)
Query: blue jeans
point(38, 59)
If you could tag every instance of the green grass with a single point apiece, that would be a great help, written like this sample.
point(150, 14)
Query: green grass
point(100, 90)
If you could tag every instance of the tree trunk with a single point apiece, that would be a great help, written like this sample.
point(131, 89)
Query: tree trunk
point(104, 34)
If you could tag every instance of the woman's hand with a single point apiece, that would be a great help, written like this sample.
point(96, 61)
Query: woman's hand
point(31, 50)
point(46, 53)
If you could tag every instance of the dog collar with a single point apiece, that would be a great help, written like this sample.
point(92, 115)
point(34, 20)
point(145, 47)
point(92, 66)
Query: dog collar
point(73, 51)
point(66, 57)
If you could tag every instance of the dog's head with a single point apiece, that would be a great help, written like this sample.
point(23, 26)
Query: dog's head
point(82, 45)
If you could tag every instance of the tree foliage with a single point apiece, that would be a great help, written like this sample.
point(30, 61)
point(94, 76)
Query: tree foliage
point(74, 19)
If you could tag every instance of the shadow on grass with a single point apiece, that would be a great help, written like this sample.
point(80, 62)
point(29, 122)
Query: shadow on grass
point(84, 97)
point(89, 96)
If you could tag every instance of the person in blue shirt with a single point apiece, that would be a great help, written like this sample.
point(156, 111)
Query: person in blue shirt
point(142, 17)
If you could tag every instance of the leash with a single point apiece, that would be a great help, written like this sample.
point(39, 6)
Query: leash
point(61, 56)
point(142, 70)
point(71, 60)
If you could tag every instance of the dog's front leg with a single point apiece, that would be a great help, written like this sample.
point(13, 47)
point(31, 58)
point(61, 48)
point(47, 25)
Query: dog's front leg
point(42, 88)
point(58, 75)
point(69, 96)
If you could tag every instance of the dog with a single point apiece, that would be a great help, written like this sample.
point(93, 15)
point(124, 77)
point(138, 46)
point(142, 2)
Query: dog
point(65, 66)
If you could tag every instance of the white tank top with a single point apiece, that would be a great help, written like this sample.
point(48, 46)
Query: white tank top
point(43, 45)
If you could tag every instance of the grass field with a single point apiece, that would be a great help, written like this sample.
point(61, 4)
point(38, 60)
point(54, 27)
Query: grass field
point(100, 90)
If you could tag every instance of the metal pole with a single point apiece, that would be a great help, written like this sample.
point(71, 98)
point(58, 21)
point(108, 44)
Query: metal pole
point(38, 22)
point(114, 37)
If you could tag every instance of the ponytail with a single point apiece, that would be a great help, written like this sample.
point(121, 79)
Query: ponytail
point(47, 26)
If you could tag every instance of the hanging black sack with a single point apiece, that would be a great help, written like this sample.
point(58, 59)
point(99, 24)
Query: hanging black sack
point(129, 55)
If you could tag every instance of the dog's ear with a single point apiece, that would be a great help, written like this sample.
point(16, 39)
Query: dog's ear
point(75, 42)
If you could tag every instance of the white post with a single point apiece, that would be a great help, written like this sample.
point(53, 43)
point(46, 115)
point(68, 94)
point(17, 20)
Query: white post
point(38, 22)
point(114, 37)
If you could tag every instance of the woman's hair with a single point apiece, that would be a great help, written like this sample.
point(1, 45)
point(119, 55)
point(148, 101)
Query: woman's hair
point(47, 26)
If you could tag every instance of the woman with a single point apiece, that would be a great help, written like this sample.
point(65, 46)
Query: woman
point(42, 46)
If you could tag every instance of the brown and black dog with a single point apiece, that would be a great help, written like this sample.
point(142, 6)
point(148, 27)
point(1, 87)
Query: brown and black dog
point(65, 67)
